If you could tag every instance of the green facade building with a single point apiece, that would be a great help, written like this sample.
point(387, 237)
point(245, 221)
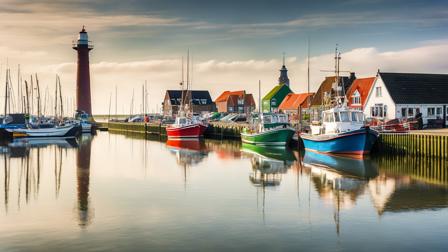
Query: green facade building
point(272, 100)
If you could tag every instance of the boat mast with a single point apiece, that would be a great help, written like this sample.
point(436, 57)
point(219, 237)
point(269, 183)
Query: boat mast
point(38, 97)
point(182, 87)
point(56, 98)
point(27, 98)
point(6, 94)
point(60, 97)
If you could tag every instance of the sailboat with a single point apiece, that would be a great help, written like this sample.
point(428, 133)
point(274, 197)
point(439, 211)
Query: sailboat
point(342, 130)
point(186, 125)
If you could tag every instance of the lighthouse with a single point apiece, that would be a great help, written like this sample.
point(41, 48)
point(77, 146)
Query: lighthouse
point(83, 47)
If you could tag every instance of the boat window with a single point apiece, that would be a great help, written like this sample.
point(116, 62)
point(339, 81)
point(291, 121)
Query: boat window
point(267, 119)
point(354, 116)
point(336, 117)
point(360, 117)
point(182, 121)
point(344, 116)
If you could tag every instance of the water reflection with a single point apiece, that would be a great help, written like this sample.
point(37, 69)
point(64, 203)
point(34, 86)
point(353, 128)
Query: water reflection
point(268, 164)
point(85, 212)
point(53, 181)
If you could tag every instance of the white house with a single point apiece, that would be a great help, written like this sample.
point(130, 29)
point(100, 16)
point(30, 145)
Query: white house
point(404, 95)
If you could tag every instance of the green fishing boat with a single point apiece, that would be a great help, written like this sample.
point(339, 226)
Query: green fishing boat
point(268, 130)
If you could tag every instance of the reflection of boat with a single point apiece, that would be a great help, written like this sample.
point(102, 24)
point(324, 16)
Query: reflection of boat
point(191, 151)
point(274, 153)
point(21, 147)
point(192, 144)
point(268, 163)
point(344, 165)
point(43, 142)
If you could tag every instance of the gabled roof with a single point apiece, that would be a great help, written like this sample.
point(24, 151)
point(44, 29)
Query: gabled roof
point(363, 85)
point(175, 96)
point(225, 95)
point(326, 86)
point(274, 91)
point(413, 88)
point(294, 101)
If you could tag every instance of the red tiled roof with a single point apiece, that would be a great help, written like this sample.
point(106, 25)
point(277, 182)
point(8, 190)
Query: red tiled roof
point(225, 95)
point(363, 86)
point(294, 101)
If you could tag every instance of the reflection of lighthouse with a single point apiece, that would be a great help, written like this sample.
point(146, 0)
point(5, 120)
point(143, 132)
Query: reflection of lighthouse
point(83, 46)
point(83, 178)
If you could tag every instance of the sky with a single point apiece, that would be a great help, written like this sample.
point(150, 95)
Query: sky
point(233, 44)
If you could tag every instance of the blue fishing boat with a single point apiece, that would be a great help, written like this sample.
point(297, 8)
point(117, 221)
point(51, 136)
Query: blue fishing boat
point(342, 130)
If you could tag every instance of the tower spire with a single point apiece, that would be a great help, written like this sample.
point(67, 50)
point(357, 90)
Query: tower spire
point(283, 79)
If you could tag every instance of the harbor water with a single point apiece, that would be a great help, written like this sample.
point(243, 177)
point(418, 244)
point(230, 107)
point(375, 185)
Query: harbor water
point(114, 192)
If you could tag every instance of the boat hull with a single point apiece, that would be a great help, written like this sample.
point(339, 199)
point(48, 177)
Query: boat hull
point(65, 131)
point(190, 131)
point(274, 137)
point(356, 143)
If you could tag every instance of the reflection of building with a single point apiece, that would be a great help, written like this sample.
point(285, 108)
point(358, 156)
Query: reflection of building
point(409, 184)
point(85, 212)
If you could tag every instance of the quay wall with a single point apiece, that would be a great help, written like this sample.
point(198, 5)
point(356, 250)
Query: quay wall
point(214, 131)
point(416, 144)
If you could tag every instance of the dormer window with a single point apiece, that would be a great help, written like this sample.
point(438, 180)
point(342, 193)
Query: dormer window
point(356, 98)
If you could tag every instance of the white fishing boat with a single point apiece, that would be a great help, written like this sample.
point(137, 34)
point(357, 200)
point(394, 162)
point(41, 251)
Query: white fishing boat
point(66, 131)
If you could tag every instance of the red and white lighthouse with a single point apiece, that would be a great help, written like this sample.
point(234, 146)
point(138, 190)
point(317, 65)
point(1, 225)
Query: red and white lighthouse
point(83, 97)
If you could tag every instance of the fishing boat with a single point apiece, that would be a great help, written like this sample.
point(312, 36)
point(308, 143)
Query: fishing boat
point(342, 130)
point(186, 124)
point(186, 127)
point(269, 130)
point(66, 131)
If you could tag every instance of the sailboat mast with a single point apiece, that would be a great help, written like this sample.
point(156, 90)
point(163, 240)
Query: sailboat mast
point(27, 98)
point(38, 97)
point(6, 93)
point(60, 97)
point(56, 98)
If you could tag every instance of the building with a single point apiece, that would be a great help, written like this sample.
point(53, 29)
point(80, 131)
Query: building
point(293, 103)
point(358, 92)
point(404, 95)
point(274, 98)
point(201, 101)
point(322, 98)
point(235, 102)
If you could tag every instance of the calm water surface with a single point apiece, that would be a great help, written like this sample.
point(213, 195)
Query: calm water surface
point(123, 193)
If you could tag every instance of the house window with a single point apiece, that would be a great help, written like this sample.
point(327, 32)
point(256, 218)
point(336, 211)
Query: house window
point(230, 109)
point(403, 112)
point(378, 110)
point(410, 112)
point(240, 101)
point(273, 102)
point(439, 112)
point(356, 98)
point(431, 111)
point(385, 111)
point(378, 92)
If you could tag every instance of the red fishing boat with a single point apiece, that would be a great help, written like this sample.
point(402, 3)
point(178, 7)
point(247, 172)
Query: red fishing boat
point(185, 127)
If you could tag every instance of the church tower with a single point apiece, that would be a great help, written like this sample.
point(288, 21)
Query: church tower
point(283, 79)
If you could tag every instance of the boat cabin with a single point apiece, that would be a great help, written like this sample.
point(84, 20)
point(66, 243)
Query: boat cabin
point(339, 120)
